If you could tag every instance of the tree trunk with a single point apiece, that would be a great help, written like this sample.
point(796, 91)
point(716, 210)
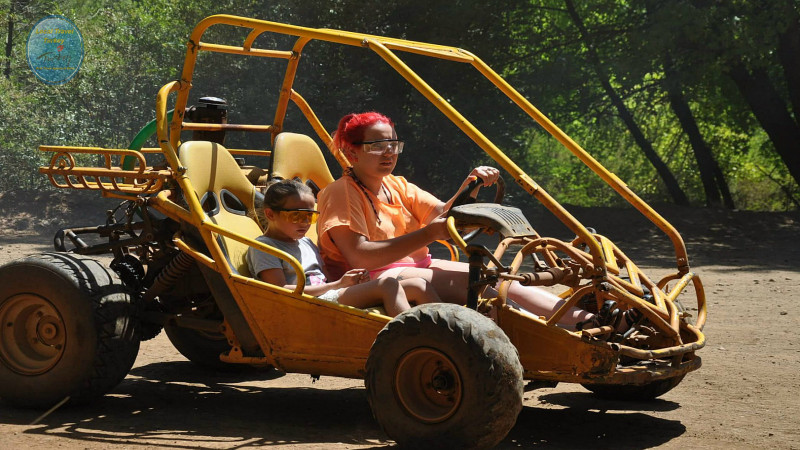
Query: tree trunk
point(9, 40)
point(770, 111)
point(674, 189)
point(711, 176)
point(789, 56)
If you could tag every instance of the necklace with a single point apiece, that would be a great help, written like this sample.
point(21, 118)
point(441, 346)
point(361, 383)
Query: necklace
point(363, 188)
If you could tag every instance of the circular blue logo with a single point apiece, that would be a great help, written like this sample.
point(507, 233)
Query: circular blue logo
point(55, 50)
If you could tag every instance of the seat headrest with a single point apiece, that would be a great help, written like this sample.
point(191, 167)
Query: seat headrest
point(212, 169)
point(297, 156)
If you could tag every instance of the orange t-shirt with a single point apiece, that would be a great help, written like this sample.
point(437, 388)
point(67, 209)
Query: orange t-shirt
point(344, 203)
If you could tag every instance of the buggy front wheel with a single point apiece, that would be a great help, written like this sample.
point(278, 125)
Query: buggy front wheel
point(444, 376)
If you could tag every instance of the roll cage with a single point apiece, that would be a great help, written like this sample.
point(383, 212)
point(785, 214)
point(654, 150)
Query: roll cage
point(134, 180)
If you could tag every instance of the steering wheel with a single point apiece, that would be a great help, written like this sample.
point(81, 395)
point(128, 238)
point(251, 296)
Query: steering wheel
point(465, 198)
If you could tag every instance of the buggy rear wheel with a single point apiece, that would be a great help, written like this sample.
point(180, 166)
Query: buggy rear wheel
point(201, 347)
point(67, 329)
point(442, 375)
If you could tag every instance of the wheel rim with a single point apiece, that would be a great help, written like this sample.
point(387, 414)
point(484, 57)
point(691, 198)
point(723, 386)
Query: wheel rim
point(428, 385)
point(33, 337)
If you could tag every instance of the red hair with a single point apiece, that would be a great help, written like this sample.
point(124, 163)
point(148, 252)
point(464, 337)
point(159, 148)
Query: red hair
point(351, 128)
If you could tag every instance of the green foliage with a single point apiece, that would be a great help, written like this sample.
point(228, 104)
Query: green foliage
point(533, 44)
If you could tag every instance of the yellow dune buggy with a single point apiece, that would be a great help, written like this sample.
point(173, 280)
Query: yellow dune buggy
point(437, 375)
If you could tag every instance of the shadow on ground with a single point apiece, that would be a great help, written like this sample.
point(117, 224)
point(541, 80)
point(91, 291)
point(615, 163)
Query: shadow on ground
point(575, 427)
point(177, 405)
point(581, 420)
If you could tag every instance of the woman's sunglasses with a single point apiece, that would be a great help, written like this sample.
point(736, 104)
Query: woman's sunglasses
point(382, 146)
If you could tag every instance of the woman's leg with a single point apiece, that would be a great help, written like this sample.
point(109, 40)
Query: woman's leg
point(373, 292)
point(450, 279)
point(544, 303)
point(419, 290)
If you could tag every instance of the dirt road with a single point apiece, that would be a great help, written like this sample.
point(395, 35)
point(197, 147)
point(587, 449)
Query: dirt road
point(746, 395)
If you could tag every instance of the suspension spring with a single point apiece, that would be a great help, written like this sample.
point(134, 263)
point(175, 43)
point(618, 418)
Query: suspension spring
point(175, 269)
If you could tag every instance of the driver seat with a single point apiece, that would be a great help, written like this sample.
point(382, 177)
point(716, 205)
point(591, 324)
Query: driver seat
point(297, 156)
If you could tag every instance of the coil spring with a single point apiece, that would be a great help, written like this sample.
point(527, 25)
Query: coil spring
point(175, 268)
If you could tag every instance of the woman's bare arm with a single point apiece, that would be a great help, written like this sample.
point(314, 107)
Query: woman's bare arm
point(360, 252)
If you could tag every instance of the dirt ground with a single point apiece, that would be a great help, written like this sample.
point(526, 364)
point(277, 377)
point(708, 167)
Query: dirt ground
point(746, 395)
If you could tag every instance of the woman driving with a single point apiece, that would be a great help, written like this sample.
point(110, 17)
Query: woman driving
point(373, 219)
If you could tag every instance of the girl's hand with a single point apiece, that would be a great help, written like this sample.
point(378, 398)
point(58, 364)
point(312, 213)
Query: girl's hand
point(353, 277)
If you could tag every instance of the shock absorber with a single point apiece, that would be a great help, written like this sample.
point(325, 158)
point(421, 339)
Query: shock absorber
point(175, 268)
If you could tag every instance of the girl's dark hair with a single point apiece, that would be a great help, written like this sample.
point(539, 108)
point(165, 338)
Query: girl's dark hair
point(277, 191)
point(275, 194)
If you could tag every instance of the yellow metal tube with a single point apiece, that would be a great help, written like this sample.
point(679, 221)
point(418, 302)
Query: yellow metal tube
point(298, 269)
point(165, 141)
point(699, 343)
point(611, 179)
point(498, 156)
point(191, 126)
point(438, 48)
point(162, 126)
point(218, 48)
point(702, 311)
point(163, 204)
point(451, 228)
point(286, 86)
point(261, 26)
point(311, 117)
point(382, 45)
point(449, 54)
point(700, 294)
point(184, 247)
point(106, 152)
point(684, 281)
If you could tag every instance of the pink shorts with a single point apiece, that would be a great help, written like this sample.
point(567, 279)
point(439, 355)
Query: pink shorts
point(395, 269)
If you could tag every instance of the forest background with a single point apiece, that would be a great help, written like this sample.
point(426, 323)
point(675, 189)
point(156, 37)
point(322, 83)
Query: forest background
point(694, 102)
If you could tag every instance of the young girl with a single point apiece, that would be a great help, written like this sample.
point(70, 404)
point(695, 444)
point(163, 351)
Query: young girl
point(289, 210)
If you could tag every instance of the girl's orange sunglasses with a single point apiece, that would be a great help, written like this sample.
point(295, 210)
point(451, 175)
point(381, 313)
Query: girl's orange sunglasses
point(298, 215)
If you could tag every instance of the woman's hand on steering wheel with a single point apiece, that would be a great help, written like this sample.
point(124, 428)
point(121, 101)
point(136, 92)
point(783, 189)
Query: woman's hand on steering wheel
point(480, 176)
point(486, 174)
point(468, 191)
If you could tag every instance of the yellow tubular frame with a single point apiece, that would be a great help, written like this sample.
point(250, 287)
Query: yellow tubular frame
point(385, 48)
point(603, 255)
point(63, 172)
